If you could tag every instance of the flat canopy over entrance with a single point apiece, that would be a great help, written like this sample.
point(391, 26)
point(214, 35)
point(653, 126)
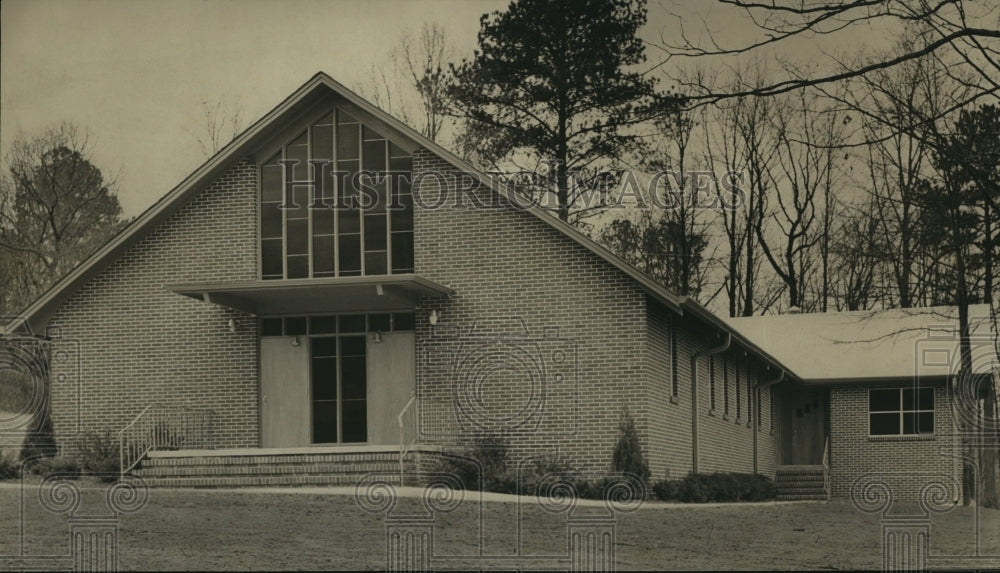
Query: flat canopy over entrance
point(305, 296)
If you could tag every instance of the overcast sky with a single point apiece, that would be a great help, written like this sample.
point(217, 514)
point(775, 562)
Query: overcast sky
point(134, 73)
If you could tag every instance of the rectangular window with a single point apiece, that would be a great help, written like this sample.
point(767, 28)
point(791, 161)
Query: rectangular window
point(900, 411)
point(749, 398)
point(674, 382)
point(725, 386)
point(711, 382)
point(739, 410)
point(759, 410)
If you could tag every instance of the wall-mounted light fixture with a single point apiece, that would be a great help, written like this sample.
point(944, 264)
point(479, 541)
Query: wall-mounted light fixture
point(295, 341)
point(434, 317)
point(377, 337)
point(232, 325)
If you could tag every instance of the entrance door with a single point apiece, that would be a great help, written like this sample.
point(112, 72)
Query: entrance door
point(804, 426)
point(391, 382)
point(284, 387)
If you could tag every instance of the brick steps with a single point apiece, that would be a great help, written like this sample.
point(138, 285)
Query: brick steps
point(801, 483)
point(257, 469)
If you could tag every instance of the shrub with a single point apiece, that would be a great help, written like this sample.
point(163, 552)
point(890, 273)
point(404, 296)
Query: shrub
point(715, 487)
point(99, 455)
point(58, 465)
point(486, 458)
point(10, 467)
point(627, 457)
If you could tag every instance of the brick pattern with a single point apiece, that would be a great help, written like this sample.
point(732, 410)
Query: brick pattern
point(582, 333)
point(907, 464)
point(725, 442)
point(139, 343)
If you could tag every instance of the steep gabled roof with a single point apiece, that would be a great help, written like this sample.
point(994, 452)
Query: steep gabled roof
point(35, 317)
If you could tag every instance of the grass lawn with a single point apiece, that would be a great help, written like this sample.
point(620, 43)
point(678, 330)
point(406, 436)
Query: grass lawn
point(226, 529)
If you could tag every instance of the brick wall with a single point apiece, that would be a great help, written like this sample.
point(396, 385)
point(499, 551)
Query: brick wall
point(905, 463)
point(517, 281)
point(726, 442)
point(140, 343)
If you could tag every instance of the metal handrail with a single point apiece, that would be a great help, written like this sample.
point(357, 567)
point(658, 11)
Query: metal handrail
point(404, 446)
point(159, 427)
point(826, 467)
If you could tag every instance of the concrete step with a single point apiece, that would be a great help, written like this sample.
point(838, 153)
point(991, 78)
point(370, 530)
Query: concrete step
point(263, 481)
point(269, 469)
point(801, 490)
point(278, 459)
point(801, 497)
point(800, 480)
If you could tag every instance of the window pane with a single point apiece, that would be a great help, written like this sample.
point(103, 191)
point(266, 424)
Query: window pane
point(375, 232)
point(301, 195)
point(883, 400)
point(271, 182)
point(353, 323)
point(298, 237)
point(322, 141)
point(379, 322)
point(350, 254)
point(355, 421)
point(350, 221)
point(375, 264)
point(374, 155)
point(322, 255)
point(402, 321)
point(298, 267)
point(370, 133)
point(323, 222)
point(925, 399)
point(344, 117)
point(352, 345)
point(271, 258)
point(352, 371)
point(324, 378)
point(884, 424)
point(295, 325)
point(324, 422)
point(270, 327)
point(323, 346)
point(270, 221)
point(347, 142)
point(348, 183)
point(324, 325)
point(402, 218)
point(925, 423)
point(402, 252)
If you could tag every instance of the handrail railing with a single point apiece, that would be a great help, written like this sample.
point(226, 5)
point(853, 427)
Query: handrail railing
point(160, 427)
point(404, 445)
point(826, 467)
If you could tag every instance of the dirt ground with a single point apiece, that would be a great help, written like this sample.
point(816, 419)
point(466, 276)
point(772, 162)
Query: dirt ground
point(223, 529)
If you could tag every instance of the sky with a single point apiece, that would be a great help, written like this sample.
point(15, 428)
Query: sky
point(135, 73)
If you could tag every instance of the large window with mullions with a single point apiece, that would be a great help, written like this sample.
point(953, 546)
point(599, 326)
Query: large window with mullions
point(336, 201)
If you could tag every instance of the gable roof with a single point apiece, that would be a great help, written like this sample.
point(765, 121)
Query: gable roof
point(318, 89)
point(868, 346)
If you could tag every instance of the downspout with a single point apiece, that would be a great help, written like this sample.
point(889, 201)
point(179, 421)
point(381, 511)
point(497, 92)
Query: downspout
point(694, 394)
point(756, 408)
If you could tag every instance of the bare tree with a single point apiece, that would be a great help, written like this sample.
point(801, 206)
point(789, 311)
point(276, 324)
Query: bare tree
point(56, 208)
point(410, 84)
point(222, 123)
point(961, 32)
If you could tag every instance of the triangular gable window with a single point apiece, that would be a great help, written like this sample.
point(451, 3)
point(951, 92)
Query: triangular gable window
point(336, 201)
